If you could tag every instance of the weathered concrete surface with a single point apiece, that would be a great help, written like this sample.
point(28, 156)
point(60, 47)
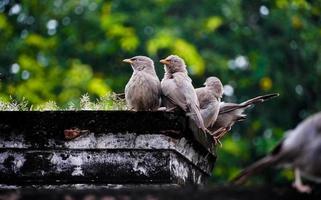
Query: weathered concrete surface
point(39, 128)
point(149, 148)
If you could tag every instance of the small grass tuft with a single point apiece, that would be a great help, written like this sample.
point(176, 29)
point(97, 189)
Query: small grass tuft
point(110, 101)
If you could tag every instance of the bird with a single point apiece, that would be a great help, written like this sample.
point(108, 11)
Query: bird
point(178, 91)
point(209, 98)
point(230, 113)
point(300, 150)
point(143, 90)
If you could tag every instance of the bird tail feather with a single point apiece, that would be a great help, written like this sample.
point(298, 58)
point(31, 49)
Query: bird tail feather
point(253, 169)
point(248, 103)
point(260, 99)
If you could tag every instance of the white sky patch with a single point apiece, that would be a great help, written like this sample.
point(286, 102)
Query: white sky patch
point(264, 10)
point(228, 90)
point(240, 62)
point(52, 24)
point(14, 68)
point(15, 9)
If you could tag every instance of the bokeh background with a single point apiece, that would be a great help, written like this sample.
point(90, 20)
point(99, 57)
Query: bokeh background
point(56, 50)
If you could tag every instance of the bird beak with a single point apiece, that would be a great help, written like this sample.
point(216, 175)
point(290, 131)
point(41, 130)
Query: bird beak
point(128, 61)
point(164, 61)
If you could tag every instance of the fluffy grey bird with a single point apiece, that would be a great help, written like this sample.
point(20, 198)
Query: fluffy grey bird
point(178, 91)
point(143, 90)
point(230, 113)
point(209, 98)
point(300, 149)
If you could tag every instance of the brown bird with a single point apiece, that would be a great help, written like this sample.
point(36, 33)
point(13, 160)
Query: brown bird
point(300, 150)
point(209, 98)
point(143, 90)
point(178, 91)
point(232, 112)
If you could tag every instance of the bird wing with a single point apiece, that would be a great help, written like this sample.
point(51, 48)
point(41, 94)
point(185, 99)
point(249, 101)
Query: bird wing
point(209, 106)
point(180, 91)
point(229, 107)
point(185, 87)
point(215, 107)
point(173, 93)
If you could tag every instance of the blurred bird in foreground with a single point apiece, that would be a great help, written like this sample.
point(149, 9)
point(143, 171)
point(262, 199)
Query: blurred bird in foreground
point(143, 90)
point(178, 90)
point(229, 113)
point(300, 149)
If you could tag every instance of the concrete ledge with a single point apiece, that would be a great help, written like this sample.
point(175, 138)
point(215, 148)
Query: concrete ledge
point(119, 147)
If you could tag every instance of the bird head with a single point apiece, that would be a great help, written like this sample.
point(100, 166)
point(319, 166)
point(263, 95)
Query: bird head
point(140, 63)
point(215, 85)
point(174, 63)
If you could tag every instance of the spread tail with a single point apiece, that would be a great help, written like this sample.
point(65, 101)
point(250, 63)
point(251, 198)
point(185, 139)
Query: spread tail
point(248, 103)
point(260, 99)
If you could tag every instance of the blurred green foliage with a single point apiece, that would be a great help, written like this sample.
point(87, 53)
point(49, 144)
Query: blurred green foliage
point(54, 51)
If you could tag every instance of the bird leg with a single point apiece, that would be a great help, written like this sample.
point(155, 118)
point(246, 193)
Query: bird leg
point(218, 131)
point(216, 139)
point(298, 185)
point(221, 133)
point(131, 109)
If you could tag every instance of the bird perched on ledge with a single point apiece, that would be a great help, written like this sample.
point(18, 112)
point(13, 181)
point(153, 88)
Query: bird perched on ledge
point(229, 113)
point(210, 97)
point(143, 90)
point(219, 116)
point(178, 90)
point(300, 149)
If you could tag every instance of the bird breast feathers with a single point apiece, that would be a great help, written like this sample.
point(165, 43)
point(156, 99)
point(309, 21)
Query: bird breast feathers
point(141, 81)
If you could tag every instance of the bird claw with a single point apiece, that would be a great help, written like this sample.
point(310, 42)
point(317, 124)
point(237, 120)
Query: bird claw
point(215, 137)
point(217, 141)
point(218, 131)
point(170, 109)
point(221, 133)
point(162, 109)
point(302, 188)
